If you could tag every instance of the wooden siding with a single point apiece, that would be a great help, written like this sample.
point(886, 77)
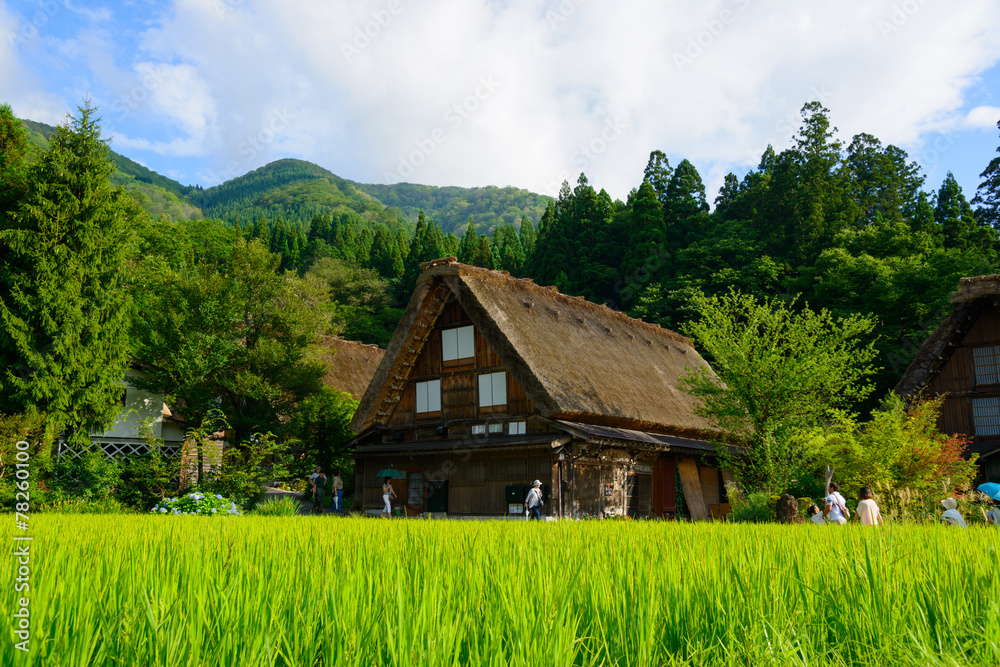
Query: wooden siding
point(429, 362)
point(956, 416)
point(485, 356)
point(475, 486)
point(664, 486)
point(406, 408)
point(458, 396)
point(985, 331)
point(956, 374)
point(518, 403)
point(452, 315)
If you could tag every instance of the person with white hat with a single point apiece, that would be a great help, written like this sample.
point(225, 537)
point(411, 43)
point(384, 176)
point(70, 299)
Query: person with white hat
point(534, 502)
point(951, 514)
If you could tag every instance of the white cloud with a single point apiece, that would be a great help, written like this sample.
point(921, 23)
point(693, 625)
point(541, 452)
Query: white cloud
point(526, 92)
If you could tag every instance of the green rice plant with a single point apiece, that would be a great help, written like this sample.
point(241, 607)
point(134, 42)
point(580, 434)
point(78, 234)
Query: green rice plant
point(280, 506)
point(264, 591)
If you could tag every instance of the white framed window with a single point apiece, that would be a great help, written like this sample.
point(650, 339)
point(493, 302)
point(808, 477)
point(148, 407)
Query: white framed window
point(479, 429)
point(986, 361)
point(429, 396)
point(986, 416)
point(496, 427)
point(492, 389)
point(458, 343)
point(516, 428)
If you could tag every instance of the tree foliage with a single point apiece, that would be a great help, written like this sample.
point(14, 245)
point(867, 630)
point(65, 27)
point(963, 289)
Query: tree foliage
point(777, 368)
point(64, 343)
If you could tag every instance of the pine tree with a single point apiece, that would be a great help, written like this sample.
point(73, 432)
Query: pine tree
point(987, 199)
point(484, 254)
point(64, 309)
point(469, 246)
point(953, 212)
point(658, 173)
point(527, 233)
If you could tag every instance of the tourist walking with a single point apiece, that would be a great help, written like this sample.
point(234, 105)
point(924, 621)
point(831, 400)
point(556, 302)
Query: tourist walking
point(867, 512)
point(951, 515)
point(319, 485)
point(337, 486)
point(533, 503)
point(387, 495)
point(836, 507)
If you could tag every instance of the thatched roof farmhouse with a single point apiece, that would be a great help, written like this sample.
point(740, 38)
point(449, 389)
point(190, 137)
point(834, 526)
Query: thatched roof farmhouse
point(492, 381)
point(961, 360)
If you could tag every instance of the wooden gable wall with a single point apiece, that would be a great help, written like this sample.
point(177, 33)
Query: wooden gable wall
point(459, 380)
point(957, 380)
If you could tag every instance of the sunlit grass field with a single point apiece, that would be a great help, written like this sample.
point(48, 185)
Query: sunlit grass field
point(173, 591)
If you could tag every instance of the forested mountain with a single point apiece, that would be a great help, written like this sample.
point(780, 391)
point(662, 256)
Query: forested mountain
point(452, 207)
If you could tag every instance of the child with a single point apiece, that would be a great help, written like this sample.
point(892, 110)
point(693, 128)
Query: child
point(815, 515)
point(867, 511)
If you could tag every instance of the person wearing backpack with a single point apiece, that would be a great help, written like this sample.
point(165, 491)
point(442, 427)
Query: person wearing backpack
point(836, 507)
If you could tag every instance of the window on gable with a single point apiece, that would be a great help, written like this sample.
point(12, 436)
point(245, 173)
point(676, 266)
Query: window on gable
point(492, 389)
point(516, 428)
point(986, 416)
point(429, 396)
point(458, 343)
point(986, 361)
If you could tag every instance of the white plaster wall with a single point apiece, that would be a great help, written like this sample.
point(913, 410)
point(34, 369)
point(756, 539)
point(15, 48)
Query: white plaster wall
point(140, 406)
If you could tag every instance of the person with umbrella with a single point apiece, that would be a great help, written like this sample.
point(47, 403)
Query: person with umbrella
point(992, 490)
point(387, 492)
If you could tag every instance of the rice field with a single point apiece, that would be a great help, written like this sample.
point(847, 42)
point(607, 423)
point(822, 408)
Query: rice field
point(187, 591)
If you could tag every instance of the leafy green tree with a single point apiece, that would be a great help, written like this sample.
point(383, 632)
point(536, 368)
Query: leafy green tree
point(232, 338)
point(13, 163)
point(776, 369)
point(322, 425)
point(658, 174)
point(507, 249)
point(64, 306)
point(527, 235)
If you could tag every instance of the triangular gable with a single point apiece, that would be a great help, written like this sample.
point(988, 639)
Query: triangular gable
point(422, 356)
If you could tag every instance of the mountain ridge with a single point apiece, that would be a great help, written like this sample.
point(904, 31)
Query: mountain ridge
point(297, 190)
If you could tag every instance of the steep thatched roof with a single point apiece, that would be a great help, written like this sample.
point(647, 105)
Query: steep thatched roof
point(576, 360)
point(973, 295)
point(350, 365)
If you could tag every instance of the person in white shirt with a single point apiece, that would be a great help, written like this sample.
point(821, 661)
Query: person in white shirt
point(867, 512)
point(533, 502)
point(836, 506)
point(951, 514)
point(816, 516)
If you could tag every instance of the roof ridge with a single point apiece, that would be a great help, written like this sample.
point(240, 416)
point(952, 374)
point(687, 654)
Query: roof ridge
point(451, 266)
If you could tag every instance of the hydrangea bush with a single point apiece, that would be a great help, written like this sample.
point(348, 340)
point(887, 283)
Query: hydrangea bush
point(196, 503)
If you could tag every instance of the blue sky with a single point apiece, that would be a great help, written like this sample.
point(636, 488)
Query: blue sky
point(520, 92)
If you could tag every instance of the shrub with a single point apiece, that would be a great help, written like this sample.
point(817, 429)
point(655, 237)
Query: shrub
point(196, 503)
point(90, 476)
point(757, 507)
point(283, 506)
point(246, 469)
